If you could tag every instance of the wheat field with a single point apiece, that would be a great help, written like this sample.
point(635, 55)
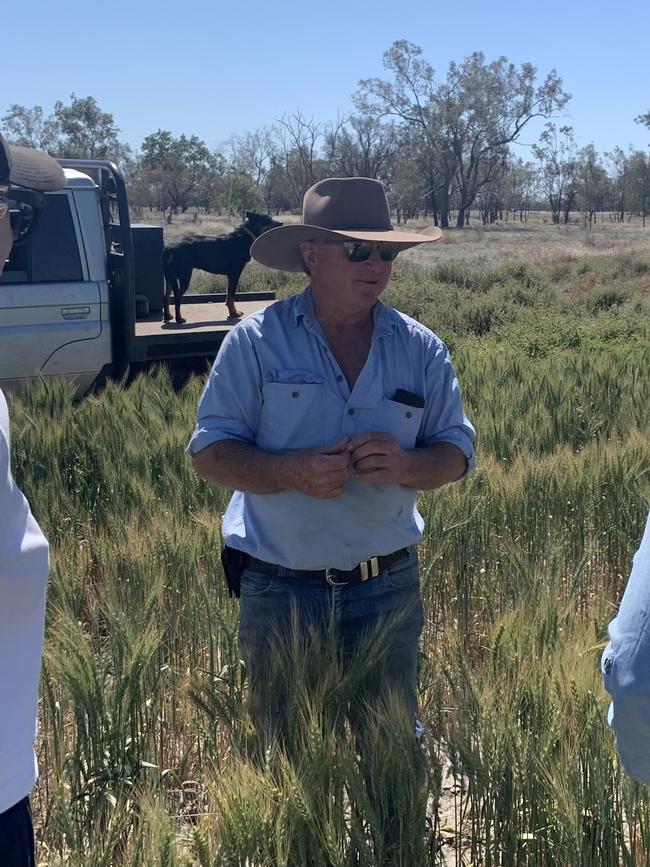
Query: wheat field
point(146, 752)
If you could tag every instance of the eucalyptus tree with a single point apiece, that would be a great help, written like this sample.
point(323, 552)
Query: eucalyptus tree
point(463, 124)
point(79, 129)
point(299, 139)
point(639, 183)
point(558, 160)
point(362, 146)
point(410, 98)
point(178, 169)
point(618, 170)
point(253, 153)
point(86, 131)
point(30, 128)
point(593, 183)
point(644, 118)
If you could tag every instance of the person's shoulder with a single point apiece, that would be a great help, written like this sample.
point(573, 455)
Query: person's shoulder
point(411, 328)
point(278, 313)
point(254, 326)
point(258, 330)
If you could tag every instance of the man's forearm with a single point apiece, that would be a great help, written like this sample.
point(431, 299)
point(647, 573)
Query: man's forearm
point(244, 467)
point(433, 466)
point(318, 472)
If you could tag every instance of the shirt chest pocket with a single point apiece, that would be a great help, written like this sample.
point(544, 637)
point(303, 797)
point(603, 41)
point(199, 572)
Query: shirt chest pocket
point(291, 416)
point(402, 421)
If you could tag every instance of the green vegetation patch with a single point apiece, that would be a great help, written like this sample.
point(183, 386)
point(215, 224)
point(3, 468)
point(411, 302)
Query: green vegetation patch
point(147, 752)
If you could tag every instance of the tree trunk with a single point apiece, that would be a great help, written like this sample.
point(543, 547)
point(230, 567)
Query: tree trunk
point(434, 206)
point(443, 205)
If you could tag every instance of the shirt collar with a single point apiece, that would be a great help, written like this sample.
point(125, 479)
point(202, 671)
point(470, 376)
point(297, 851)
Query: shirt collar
point(383, 325)
point(303, 309)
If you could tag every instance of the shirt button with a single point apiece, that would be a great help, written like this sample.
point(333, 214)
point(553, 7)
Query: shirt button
point(608, 664)
point(339, 378)
point(295, 394)
point(409, 414)
point(350, 411)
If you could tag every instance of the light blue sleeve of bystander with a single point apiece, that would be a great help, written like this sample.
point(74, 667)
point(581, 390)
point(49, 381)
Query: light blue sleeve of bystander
point(625, 666)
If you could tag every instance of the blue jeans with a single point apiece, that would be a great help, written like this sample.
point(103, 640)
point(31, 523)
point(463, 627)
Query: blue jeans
point(378, 621)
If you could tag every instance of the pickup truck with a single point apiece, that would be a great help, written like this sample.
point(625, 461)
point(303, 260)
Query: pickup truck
point(70, 303)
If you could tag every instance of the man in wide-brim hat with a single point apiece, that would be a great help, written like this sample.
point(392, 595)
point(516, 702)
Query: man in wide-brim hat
point(337, 209)
point(326, 413)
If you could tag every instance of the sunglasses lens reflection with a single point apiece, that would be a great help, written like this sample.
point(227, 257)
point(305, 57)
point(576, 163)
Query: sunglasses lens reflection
point(360, 251)
point(388, 252)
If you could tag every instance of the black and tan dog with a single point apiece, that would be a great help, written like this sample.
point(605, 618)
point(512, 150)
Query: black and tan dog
point(225, 254)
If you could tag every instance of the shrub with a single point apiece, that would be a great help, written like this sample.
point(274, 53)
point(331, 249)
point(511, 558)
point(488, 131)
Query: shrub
point(606, 300)
point(483, 316)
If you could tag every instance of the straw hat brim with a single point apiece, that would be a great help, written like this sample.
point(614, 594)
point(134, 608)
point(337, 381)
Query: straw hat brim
point(280, 248)
point(32, 168)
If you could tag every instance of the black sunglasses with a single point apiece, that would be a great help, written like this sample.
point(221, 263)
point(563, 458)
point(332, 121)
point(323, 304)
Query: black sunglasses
point(33, 198)
point(23, 206)
point(361, 251)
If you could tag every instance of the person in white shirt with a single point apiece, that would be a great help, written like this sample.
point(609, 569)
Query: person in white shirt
point(24, 560)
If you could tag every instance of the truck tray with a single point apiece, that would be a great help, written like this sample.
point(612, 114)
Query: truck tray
point(206, 326)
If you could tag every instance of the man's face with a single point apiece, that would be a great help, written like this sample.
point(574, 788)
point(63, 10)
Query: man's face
point(6, 235)
point(350, 287)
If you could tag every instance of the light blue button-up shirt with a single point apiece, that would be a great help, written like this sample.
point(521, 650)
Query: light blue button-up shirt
point(626, 667)
point(277, 385)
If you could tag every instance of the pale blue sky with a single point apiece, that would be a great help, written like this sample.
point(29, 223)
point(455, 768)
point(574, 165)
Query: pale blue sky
point(217, 68)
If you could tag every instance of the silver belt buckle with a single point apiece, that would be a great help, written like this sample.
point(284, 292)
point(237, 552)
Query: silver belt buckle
point(369, 573)
point(329, 577)
point(367, 569)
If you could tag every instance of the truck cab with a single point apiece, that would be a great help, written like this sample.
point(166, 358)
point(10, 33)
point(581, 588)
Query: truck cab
point(69, 300)
point(54, 292)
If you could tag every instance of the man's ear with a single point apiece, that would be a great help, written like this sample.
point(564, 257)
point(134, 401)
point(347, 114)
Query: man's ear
point(309, 253)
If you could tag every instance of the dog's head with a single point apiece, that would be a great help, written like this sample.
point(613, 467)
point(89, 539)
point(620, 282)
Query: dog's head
point(260, 223)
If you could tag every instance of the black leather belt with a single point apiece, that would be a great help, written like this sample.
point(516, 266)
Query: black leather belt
point(336, 577)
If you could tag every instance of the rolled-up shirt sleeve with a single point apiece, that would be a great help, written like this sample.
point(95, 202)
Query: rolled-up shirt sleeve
point(625, 667)
point(230, 404)
point(444, 419)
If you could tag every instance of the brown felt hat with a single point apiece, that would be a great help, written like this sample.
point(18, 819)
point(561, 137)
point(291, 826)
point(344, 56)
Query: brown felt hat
point(27, 167)
point(352, 208)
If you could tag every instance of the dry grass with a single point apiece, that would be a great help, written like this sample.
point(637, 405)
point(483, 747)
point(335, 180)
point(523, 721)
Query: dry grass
point(537, 241)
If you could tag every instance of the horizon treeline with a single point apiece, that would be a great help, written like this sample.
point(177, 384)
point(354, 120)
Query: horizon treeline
point(441, 146)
